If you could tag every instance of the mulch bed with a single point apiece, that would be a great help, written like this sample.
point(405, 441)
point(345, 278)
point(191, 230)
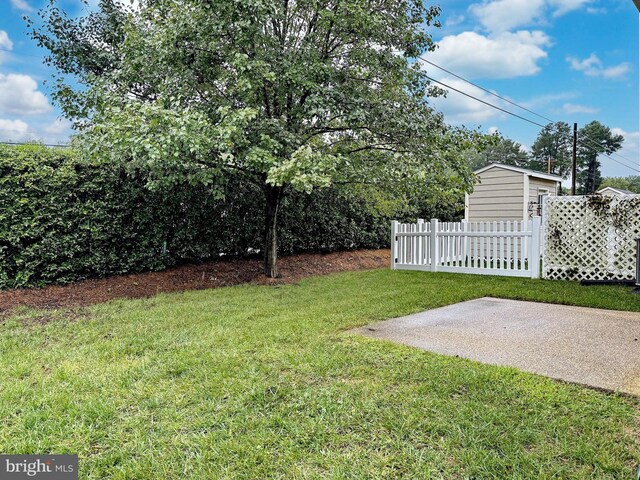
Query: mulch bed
point(191, 277)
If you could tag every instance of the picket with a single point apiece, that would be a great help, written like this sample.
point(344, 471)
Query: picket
point(489, 248)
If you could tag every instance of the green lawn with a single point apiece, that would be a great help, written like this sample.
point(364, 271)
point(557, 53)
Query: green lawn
point(266, 382)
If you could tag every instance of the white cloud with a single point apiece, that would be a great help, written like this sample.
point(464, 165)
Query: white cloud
point(21, 5)
point(560, 7)
point(572, 108)
point(630, 151)
point(13, 130)
point(505, 55)
point(5, 44)
point(505, 15)
point(58, 126)
point(19, 95)
point(453, 21)
point(459, 109)
point(5, 41)
point(592, 66)
point(545, 100)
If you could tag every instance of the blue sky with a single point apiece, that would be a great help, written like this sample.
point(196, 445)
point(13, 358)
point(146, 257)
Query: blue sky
point(571, 60)
point(26, 110)
point(568, 60)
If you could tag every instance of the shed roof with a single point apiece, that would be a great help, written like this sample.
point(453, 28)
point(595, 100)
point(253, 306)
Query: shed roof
point(621, 191)
point(531, 173)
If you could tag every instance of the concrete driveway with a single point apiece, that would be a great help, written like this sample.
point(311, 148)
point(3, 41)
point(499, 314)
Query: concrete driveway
point(599, 348)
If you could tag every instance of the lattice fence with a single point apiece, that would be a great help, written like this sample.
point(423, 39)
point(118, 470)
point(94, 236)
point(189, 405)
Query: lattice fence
point(591, 238)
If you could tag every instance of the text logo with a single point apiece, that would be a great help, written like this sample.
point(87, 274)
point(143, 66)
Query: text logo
point(45, 467)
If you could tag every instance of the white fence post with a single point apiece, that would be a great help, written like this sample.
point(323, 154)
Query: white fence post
point(435, 254)
point(394, 243)
point(420, 252)
point(466, 252)
point(534, 255)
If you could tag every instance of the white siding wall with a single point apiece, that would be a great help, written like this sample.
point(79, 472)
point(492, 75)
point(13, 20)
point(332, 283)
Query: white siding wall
point(538, 183)
point(498, 196)
point(536, 186)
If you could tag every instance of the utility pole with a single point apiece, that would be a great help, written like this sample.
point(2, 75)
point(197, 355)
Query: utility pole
point(574, 159)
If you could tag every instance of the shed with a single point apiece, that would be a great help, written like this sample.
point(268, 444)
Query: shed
point(505, 192)
point(614, 192)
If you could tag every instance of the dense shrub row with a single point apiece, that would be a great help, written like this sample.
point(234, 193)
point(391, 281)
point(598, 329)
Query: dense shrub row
point(63, 219)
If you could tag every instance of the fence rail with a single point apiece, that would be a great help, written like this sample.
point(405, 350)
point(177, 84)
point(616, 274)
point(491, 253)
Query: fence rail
point(489, 248)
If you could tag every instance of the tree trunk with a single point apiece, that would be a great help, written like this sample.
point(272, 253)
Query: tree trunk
point(273, 197)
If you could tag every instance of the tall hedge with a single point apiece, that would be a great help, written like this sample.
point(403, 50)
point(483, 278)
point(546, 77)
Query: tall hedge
point(63, 219)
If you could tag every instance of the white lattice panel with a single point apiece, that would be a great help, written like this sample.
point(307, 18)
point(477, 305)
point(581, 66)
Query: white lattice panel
point(591, 238)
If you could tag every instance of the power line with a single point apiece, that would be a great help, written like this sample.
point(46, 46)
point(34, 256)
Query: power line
point(486, 103)
point(516, 105)
point(486, 90)
point(632, 166)
point(598, 152)
point(620, 163)
point(636, 170)
point(594, 142)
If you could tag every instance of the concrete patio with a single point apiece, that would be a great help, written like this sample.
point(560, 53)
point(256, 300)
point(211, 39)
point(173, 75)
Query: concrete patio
point(599, 348)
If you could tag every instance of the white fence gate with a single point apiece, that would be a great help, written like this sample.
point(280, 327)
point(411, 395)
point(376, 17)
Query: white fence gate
point(488, 248)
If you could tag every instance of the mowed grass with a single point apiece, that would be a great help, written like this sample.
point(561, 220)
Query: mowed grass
point(267, 382)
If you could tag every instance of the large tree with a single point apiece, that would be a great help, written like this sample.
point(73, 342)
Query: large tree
point(553, 145)
point(594, 139)
point(293, 94)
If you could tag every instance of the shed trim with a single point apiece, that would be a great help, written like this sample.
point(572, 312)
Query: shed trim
point(525, 203)
point(619, 191)
point(529, 173)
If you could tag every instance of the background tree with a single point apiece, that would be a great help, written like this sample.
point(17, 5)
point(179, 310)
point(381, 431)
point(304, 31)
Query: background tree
point(594, 139)
point(81, 49)
point(631, 183)
point(293, 95)
point(553, 142)
point(498, 149)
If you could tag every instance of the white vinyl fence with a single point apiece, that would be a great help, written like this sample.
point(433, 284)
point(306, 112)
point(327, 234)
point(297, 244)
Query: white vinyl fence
point(488, 248)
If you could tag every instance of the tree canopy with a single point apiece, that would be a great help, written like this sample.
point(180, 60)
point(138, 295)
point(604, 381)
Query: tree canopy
point(292, 94)
point(594, 139)
point(499, 149)
point(553, 144)
point(631, 183)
